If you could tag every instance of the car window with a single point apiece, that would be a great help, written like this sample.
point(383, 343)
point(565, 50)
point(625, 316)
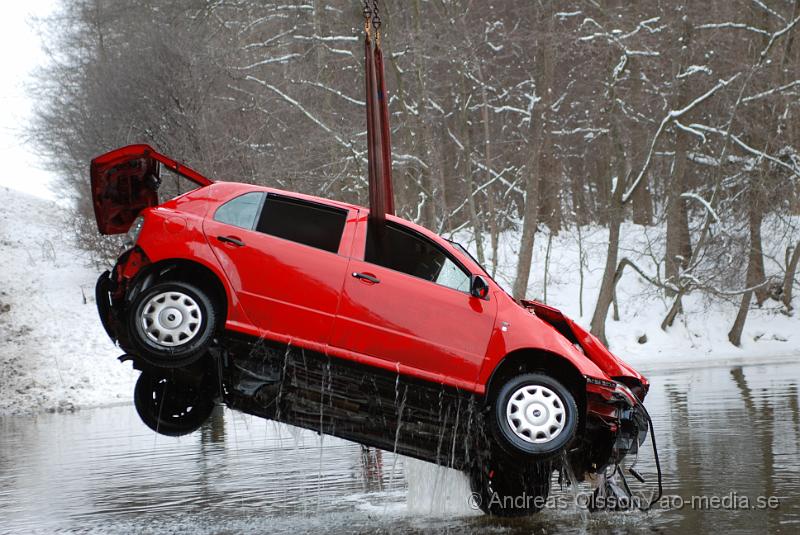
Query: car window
point(408, 252)
point(312, 224)
point(241, 211)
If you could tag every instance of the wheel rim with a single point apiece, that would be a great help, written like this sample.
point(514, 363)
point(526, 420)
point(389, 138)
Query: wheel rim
point(171, 318)
point(536, 414)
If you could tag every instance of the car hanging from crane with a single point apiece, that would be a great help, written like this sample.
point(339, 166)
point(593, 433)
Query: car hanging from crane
point(352, 322)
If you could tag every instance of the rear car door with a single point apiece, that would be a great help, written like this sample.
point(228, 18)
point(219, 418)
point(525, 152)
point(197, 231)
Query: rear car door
point(407, 302)
point(284, 257)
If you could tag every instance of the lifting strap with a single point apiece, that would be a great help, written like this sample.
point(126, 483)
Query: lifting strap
point(379, 148)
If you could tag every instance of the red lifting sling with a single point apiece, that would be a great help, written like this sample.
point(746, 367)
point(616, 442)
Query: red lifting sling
point(379, 147)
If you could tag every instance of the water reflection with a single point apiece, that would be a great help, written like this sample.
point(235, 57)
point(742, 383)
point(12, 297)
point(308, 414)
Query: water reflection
point(720, 431)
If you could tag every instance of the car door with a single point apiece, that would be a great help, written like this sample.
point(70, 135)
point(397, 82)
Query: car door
point(406, 302)
point(284, 258)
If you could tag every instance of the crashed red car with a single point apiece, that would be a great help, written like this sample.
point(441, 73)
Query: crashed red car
point(297, 309)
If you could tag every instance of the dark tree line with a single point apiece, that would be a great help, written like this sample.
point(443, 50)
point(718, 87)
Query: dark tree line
point(507, 115)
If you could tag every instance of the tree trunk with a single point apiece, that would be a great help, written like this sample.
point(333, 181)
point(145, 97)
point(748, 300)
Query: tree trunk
point(529, 224)
point(606, 295)
point(643, 205)
point(547, 264)
point(580, 270)
point(735, 334)
point(755, 263)
point(432, 181)
point(475, 221)
point(494, 231)
point(679, 248)
point(642, 199)
point(577, 180)
point(615, 216)
point(530, 219)
point(792, 258)
point(549, 187)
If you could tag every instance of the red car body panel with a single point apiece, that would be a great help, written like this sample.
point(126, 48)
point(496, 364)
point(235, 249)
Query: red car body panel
point(307, 297)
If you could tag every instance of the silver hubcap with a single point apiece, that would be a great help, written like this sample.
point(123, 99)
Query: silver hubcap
point(171, 318)
point(536, 414)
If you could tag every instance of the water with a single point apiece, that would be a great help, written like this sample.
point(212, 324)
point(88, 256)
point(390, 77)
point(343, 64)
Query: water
point(720, 431)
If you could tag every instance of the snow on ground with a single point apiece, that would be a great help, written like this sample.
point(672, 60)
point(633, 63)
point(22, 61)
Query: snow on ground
point(54, 353)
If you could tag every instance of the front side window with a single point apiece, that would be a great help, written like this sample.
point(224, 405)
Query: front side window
point(241, 211)
point(312, 224)
point(406, 251)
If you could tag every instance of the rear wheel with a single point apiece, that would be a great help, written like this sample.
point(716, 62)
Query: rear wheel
point(171, 407)
point(171, 324)
point(534, 417)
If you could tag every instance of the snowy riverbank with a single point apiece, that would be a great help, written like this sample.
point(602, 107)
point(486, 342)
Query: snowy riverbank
point(54, 354)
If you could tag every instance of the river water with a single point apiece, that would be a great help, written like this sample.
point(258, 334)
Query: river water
point(725, 435)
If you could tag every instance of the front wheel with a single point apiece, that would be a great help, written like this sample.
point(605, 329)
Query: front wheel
point(171, 324)
point(534, 417)
point(510, 489)
point(170, 407)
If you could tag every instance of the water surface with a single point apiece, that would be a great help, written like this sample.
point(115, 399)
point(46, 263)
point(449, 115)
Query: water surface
point(724, 432)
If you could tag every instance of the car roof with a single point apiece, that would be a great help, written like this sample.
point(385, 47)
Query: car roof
point(242, 187)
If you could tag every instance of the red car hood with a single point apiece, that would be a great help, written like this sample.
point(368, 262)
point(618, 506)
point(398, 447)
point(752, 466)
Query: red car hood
point(592, 347)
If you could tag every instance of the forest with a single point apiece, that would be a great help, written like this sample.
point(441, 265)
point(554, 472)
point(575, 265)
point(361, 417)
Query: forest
point(513, 121)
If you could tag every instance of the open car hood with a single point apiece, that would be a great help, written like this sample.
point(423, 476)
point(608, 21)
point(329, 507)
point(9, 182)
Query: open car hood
point(125, 181)
point(592, 347)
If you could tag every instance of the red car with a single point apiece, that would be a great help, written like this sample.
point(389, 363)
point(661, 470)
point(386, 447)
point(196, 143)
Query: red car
point(299, 309)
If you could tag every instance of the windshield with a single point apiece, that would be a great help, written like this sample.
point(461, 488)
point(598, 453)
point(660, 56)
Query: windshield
point(469, 255)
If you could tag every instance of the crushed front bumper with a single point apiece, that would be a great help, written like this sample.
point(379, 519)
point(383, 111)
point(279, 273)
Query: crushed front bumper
point(616, 425)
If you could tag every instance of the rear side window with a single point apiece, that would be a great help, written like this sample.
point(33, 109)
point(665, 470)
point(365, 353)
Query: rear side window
point(406, 251)
point(311, 224)
point(241, 211)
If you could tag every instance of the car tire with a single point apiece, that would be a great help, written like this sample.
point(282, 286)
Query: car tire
point(171, 324)
point(533, 417)
point(510, 489)
point(171, 407)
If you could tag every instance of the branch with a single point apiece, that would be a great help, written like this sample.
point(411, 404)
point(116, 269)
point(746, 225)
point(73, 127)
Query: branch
point(671, 116)
point(625, 261)
point(771, 91)
point(775, 36)
point(732, 25)
point(748, 148)
point(702, 201)
point(346, 144)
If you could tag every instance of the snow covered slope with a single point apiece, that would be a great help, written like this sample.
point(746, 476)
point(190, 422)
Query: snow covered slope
point(54, 353)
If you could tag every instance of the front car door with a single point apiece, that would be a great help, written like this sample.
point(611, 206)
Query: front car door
point(406, 302)
point(285, 258)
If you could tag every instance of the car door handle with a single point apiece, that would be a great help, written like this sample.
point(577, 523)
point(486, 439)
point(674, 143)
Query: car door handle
point(232, 240)
point(367, 277)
